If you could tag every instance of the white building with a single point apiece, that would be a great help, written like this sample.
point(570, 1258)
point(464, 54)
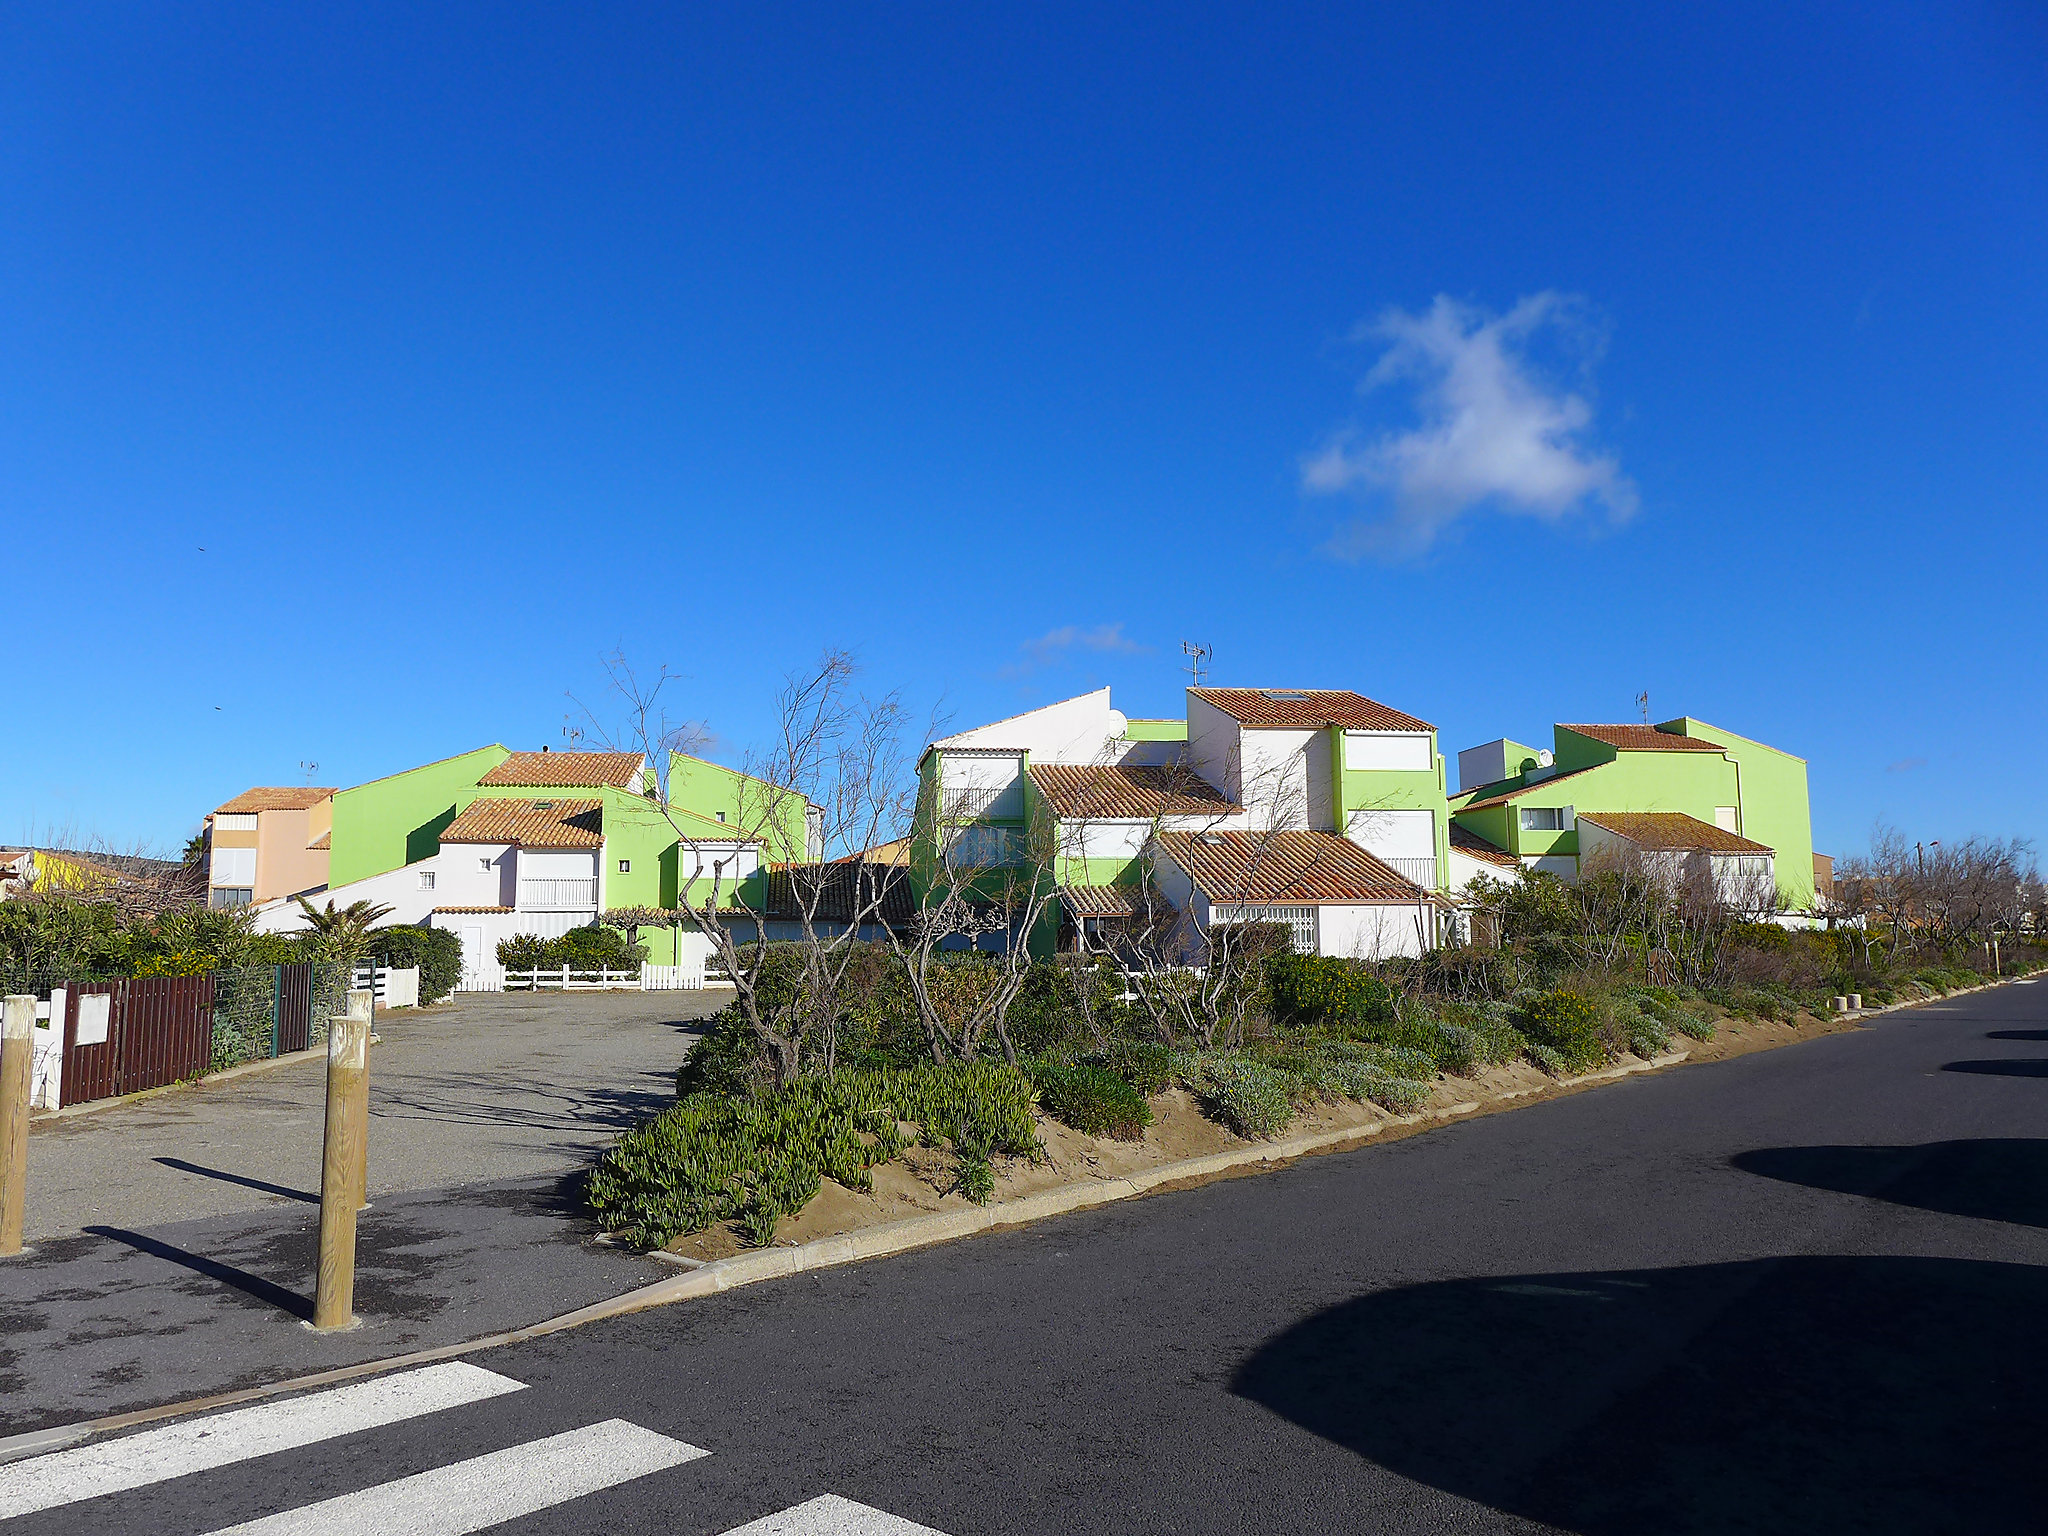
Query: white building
point(1676, 849)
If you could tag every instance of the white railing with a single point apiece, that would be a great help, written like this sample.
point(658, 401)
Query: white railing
point(568, 979)
point(1421, 871)
point(558, 895)
point(672, 978)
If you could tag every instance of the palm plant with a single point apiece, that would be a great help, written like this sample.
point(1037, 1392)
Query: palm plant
point(344, 933)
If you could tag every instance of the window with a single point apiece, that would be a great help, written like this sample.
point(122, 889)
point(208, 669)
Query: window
point(236, 821)
point(232, 866)
point(1390, 751)
point(983, 847)
point(1542, 818)
point(240, 896)
point(721, 815)
point(483, 861)
point(625, 866)
point(426, 879)
point(1284, 695)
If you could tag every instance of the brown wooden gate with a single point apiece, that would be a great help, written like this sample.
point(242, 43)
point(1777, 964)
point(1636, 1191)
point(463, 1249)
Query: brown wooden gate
point(294, 1008)
point(158, 1029)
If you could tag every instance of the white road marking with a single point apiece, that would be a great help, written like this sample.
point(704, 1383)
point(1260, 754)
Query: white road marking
point(241, 1434)
point(487, 1490)
point(832, 1516)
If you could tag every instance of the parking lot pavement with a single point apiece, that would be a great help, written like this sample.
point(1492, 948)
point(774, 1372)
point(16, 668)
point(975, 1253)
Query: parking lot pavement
point(487, 1088)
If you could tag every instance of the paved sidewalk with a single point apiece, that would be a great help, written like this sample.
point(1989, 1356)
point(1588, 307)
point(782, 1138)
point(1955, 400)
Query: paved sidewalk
point(486, 1088)
point(116, 1318)
point(175, 1238)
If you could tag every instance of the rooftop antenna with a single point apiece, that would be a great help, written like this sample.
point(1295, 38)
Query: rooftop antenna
point(308, 769)
point(1198, 657)
point(1643, 703)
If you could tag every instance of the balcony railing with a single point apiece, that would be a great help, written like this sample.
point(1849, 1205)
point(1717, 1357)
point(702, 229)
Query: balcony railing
point(558, 895)
point(1421, 871)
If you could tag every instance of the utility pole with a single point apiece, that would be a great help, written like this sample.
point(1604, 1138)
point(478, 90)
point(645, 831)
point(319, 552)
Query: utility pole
point(342, 1163)
point(1198, 657)
point(17, 1045)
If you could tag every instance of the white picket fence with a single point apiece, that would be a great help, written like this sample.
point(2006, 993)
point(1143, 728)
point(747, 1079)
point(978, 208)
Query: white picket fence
point(649, 978)
point(390, 988)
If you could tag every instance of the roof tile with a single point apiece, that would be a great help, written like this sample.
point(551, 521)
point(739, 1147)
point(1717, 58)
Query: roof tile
point(1671, 832)
point(530, 823)
point(565, 770)
point(1307, 709)
point(1126, 792)
point(274, 797)
point(1643, 738)
point(1308, 868)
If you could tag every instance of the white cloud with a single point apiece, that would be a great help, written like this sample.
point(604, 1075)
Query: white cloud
point(1494, 431)
point(1055, 643)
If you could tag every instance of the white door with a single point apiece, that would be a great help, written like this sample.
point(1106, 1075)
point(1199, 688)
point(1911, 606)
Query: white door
point(472, 948)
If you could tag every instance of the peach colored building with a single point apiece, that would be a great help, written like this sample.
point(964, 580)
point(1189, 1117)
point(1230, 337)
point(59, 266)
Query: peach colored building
point(268, 842)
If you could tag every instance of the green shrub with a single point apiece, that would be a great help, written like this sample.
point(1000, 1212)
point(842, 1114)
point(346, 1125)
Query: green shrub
point(755, 1158)
point(1647, 1037)
point(1322, 989)
point(975, 1176)
point(726, 1058)
point(436, 951)
point(1549, 1060)
point(589, 948)
point(1090, 1098)
point(1146, 1065)
point(1693, 1019)
point(1248, 1096)
point(1569, 1023)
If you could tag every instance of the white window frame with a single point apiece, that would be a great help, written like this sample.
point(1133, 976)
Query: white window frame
point(1302, 922)
point(426, 879)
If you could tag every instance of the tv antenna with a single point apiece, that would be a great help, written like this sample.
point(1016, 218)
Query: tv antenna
point(1198, 657)
point(308, 769)
point(1643, 704)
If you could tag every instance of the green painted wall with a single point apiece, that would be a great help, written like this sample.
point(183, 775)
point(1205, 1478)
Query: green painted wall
point(1156, 730)
point(390, 822)
point(1694, 783)
point(1775, 807)
point(1386, 790)
point(709, 788)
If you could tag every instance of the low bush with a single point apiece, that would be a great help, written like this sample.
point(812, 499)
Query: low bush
point(1253, 1099)
point(589, 948)
point(1693, 1019)
point(1549, 1060)
point(1090, 1097)
point(1569, 1023)
point(1146, 1065)
point(1648, 1037)
point(754, 1158)
point(1324, 990)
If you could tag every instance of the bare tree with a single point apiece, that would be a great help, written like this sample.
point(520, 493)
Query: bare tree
point(832, 783)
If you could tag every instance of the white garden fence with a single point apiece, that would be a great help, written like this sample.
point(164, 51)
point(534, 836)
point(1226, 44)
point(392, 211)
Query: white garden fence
point(691, 977)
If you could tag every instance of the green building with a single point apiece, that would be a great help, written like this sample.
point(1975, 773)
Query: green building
point(1692, 787)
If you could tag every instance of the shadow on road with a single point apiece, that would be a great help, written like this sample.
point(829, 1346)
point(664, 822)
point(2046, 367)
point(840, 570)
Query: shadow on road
point(2017, 1034)
point(2012, 1067)
point(1800, 1394)
point(241, 1280)
point(244, 1180)
point(1998, 1180)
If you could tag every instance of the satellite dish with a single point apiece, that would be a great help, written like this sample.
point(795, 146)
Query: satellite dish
point(1544, 759)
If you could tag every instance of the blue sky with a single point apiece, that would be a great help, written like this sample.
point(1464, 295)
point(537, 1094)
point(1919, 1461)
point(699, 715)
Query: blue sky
point(368, 373)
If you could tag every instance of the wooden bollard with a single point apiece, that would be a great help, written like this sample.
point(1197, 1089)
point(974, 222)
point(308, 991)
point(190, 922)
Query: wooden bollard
point(361, 1006)
point(348, 1070)
point(17, 1048)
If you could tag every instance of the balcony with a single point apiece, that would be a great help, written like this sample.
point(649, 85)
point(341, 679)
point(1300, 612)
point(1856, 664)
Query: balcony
point(558, 895)
point(1421, 871)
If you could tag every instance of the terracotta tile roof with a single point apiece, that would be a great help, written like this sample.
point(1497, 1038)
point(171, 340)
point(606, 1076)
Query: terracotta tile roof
point(1472, 845)
point(1120, 792)
point(565, 770)
point(1308, 709)
point(1643, 738)
point(1303, 868)
point(1510, 794)
point(280, 797)
point(1110, 901)
point(1671, 832)
point(324, 842)
point(453, 910)
point(833, 890)
point(530, 823)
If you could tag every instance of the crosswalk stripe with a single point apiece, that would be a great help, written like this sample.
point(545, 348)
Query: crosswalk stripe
point(241, 1434)
point(832, 1516)
point(484, 1491)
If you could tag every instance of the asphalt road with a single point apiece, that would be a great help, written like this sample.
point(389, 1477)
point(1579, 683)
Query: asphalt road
point(1796, 1291)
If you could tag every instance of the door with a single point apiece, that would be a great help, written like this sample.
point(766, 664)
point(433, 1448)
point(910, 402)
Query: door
point(472, 949)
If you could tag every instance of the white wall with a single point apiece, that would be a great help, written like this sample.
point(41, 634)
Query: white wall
point(557, 864)
point(991, 787)
point(1214, 748)
point(1394, 834)
point(1461, 868)
point(398, 889)
point(1104, 839)
point(740, 860)
point(1485, 764)
point(1373, 932)
point(475, 875)
point(1081, 730)
point(1286, 780)
point(1391, 751)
